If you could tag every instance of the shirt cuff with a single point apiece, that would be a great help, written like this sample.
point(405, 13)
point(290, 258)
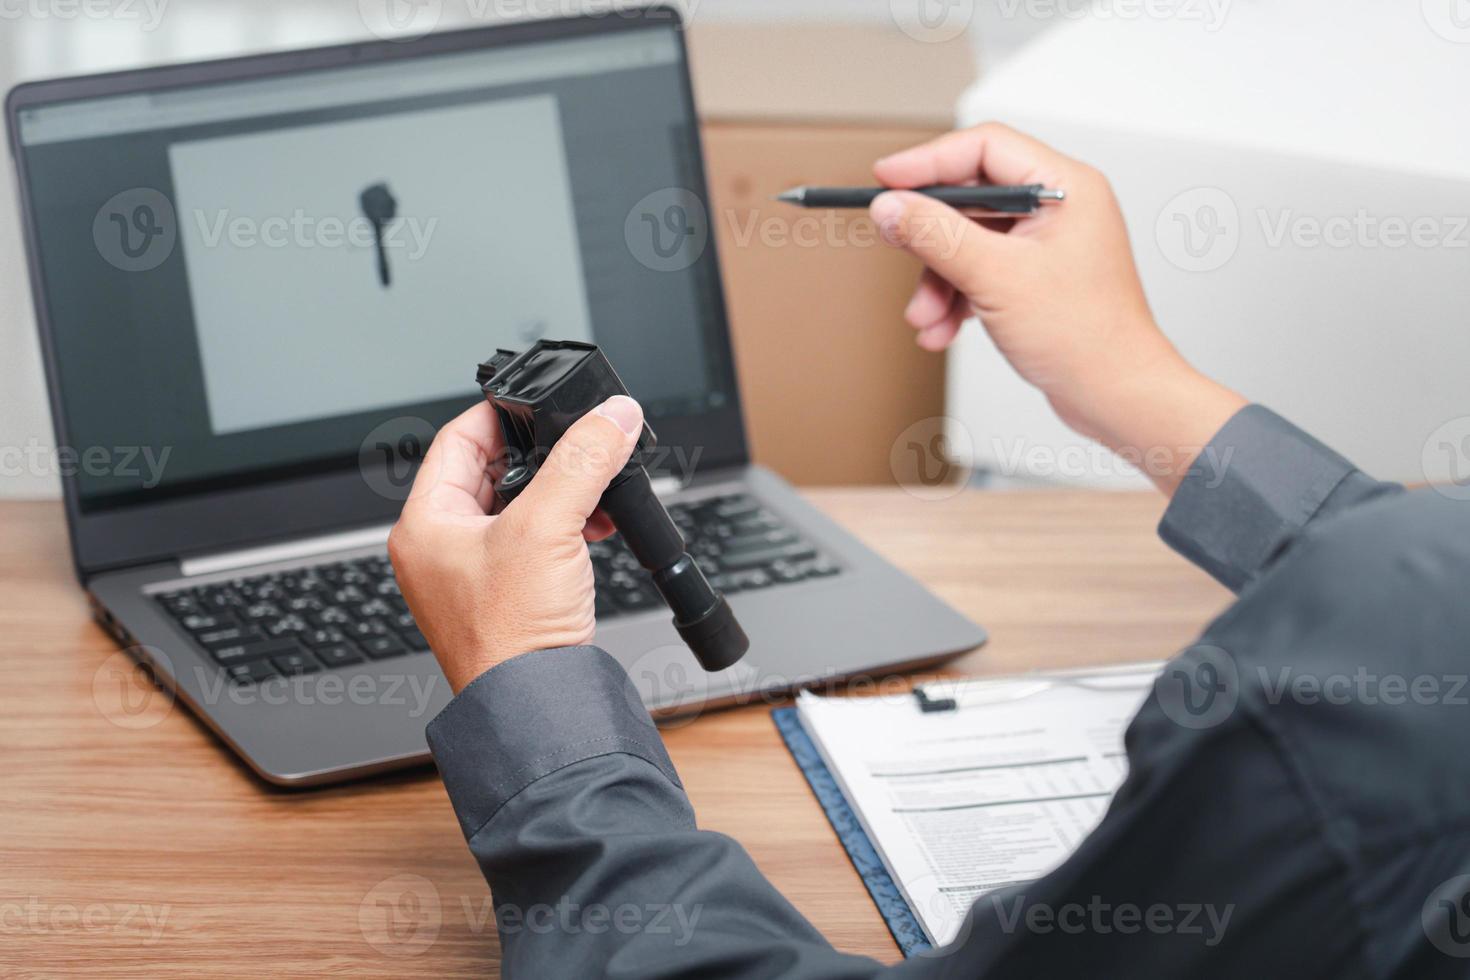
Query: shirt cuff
point(1248, 493)
point(535, 714)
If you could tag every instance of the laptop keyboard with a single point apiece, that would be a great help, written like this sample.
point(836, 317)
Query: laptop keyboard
point(351, 612)
point(299, 621)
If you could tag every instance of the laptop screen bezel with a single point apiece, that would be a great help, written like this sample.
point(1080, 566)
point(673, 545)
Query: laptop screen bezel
point(259, 511)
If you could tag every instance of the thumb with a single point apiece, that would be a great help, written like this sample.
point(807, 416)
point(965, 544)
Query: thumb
point(959, 249)
point(567, 487)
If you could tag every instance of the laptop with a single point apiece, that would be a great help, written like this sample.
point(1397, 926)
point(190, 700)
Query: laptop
point(262, 283)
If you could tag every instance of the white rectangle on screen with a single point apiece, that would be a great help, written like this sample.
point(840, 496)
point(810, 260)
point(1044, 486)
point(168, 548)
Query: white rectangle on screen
point(293, 318)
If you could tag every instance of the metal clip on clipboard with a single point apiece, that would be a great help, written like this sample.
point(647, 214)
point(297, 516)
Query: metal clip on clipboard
point(939, 696)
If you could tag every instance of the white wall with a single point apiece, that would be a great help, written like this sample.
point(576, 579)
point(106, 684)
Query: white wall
point(1300, 142)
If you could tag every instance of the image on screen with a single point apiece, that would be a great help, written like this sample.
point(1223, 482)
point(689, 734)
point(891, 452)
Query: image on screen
point(298, 320)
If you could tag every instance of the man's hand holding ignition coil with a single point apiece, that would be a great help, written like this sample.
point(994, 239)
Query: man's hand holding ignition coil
point(487, 587)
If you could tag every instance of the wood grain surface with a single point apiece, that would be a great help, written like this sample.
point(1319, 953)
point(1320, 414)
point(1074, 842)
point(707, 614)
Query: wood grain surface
point(133, 845)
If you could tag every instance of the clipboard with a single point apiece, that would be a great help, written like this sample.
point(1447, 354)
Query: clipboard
point(944, 698)
point(894, 908)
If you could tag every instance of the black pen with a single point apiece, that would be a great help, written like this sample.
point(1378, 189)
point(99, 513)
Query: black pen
point(1025, 199)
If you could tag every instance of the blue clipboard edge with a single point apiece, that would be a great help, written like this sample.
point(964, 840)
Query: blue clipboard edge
point(891, 903)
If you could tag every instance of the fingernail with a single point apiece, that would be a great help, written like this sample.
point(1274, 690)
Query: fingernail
point(887, 212)
point(911, 309)
point(625, 413)
point(932, 338)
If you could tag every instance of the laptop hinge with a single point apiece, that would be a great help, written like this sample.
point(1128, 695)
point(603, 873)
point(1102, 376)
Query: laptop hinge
point(286, 551)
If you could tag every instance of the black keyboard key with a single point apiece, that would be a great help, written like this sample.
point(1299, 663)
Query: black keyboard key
point(292, 664)
point(728, 584)
point(822, 567)
point(339, 655)
point(269, 592)
point(372, 608)
point(622, 581)
point(382, 647)
point(179, 604)
point(636, 598)
point(327, 636)
point(348, 595)
point(756, 542)
point(204, 623)
point(229, 636)
point(258, 612)
point(331, 616)
point(783, 572)
point(758, 524)
point(734, 508)
point(415, 640)
point(259, 650)
point(224, 600)
point(366, 629)
point(757, 579)
point(251, 673)
point(763, 557)
point(286, 626)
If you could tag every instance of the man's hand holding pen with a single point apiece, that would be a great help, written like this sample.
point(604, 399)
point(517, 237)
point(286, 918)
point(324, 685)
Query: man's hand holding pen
point(1056, 290)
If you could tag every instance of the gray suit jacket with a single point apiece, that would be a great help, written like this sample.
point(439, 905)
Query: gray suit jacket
point(1297, 802)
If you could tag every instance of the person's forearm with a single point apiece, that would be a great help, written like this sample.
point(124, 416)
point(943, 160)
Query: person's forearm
point(1161, 420)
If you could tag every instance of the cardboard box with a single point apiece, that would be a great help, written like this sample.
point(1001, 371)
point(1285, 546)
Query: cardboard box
point(829, 371)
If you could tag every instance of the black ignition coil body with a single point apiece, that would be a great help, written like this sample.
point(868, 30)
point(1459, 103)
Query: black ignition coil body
point(537, 395)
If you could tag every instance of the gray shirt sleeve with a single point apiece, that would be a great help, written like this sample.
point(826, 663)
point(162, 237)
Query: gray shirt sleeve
point(1253, 490)
point(579, 823)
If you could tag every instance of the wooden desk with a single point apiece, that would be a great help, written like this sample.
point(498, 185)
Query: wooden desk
point(106, 826)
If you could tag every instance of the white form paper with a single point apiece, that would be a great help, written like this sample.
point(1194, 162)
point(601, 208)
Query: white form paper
point(997, 792)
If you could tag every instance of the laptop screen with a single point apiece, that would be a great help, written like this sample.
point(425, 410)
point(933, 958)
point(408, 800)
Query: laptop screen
point(256, 280)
